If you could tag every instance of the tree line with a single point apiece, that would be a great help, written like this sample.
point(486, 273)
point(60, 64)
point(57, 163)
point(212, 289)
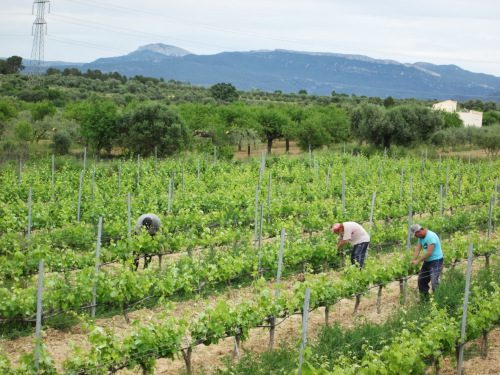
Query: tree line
point(142, 114)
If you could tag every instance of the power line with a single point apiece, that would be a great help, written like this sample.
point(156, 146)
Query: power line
point(135, 11)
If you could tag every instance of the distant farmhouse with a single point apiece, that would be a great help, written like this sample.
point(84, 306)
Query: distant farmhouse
point(469, 118)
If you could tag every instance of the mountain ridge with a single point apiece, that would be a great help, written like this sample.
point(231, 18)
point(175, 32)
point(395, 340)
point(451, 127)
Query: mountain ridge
point(316, 72)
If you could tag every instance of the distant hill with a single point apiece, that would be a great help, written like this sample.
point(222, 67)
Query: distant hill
point(291, 71)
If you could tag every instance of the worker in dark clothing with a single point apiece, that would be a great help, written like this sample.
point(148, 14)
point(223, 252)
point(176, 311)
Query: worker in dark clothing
point(152, 224)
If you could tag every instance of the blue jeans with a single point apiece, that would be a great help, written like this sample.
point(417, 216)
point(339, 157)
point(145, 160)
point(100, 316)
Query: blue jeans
point(429, 272)
point(358, 253)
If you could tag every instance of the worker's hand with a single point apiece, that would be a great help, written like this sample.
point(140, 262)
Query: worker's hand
point(414, 261)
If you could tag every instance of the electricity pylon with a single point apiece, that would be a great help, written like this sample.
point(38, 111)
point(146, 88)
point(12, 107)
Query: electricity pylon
point(39, 30)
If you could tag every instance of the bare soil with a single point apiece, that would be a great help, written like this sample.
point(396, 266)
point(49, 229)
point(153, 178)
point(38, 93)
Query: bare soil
point(474, 364)
point(278, 148)
point(207, 358)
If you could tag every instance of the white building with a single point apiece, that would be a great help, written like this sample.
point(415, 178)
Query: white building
point(447, 105)
point(469, 118)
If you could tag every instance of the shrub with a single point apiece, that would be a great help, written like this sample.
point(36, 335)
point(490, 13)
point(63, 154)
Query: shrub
point(61, 142)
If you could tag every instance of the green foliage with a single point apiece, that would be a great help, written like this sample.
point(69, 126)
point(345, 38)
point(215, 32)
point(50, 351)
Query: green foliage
point(453, 137)
point(451, 120)
point(274, 362)
point(489, 139)
point(272, 121)
point(151, 125)
point(7, 112)
point(400, 125)
point(479, 105)
point(39, 113)
point(320, 126)
point(450, 294)
point(224, 92)
point(389, 102)
point(42, 109)
point(61, 143)
point(491, 118)
point(98, 122)
point(367, 123)
point(313, 133)
point(11, 65)
point(23, 131)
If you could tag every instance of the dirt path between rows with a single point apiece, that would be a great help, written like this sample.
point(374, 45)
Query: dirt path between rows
point(208, 358)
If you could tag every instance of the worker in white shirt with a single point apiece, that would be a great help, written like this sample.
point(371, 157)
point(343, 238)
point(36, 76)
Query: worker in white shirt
point(356, 235)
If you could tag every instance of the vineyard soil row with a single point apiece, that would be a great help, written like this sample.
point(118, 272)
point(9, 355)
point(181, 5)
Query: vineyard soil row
point(59, 343)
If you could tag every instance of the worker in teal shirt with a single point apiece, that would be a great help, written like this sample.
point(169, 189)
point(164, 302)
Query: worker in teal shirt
point(431, 258)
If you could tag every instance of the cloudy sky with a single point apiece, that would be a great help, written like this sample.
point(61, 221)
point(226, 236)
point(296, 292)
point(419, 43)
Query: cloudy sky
point(461, 32)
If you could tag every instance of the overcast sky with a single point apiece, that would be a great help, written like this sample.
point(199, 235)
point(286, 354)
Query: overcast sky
point(461, 32)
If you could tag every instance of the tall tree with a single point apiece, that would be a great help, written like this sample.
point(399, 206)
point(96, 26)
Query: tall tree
point(203, 120)
point(323, 126)
point(7, 111)
point(224, 92)
point(151, 125)
point(11, 65)
point(239, 123)
point(39, 111)
point(271, 121)
point(297, 115)
point(367, 123)
point(98, 122)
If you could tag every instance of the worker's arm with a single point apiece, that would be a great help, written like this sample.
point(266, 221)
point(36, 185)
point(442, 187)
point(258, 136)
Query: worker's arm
point(416, 253)
point(428, 253)
point(341, 243)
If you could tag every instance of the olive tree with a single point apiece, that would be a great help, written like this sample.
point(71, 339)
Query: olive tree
point(98, 122)
point(149, 125)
